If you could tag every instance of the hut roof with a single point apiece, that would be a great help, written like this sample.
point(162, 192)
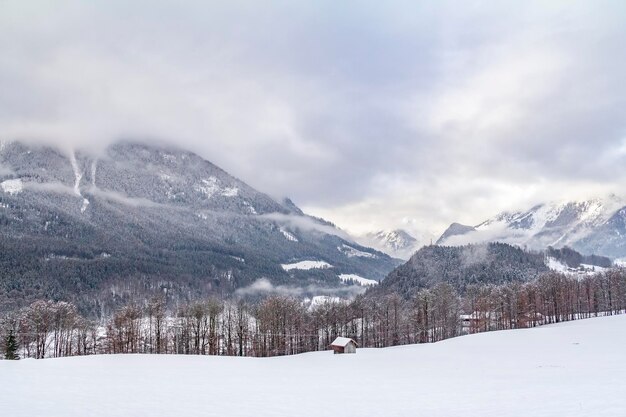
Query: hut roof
point(342, 341)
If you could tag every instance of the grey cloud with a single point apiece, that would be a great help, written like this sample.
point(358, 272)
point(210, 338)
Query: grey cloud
point(443, 111)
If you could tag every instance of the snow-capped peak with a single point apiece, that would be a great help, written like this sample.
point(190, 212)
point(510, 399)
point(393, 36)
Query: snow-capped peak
point(590, 226)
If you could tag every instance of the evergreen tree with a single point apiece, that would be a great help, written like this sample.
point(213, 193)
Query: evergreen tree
point(10, 348)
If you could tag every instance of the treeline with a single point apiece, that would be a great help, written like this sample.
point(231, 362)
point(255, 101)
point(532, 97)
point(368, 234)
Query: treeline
point(279, 325)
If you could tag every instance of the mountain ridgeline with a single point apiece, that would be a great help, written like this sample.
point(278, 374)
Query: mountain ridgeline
point(397, 243)
point(141, 220)
point(594, 226)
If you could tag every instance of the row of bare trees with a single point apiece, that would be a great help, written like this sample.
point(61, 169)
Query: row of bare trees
point(279, 325)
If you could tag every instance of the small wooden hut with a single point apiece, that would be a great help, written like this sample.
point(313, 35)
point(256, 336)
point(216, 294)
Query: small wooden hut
point(344, 345)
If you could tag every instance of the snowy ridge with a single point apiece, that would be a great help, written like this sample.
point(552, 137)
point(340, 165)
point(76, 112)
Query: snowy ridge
point(591, 226)
point(397, 243)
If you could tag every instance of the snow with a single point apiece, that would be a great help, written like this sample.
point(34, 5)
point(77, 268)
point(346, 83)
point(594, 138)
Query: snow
point(320, 300)
point(620, 262)
point(554, 224)
point(210, 187)
point(306, 265)
point(78, 176)
point(356, 278)
point(250, 207)
point(557, 266)
point(572, 369)
point(12, 187)
point(230, 191)
point(94, 166)
point(169, 157)
point(584, 269)
point(351, 252)
point(289, 236)
point(84, 205)
point(341, 341)
point(593, 268)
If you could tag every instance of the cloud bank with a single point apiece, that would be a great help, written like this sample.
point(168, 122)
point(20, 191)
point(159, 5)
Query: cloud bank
point(374, 116)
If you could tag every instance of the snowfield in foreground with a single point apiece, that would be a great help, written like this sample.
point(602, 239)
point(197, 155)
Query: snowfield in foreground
point(570, 369)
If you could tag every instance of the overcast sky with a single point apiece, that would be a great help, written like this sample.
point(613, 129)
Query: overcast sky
point(372, 114)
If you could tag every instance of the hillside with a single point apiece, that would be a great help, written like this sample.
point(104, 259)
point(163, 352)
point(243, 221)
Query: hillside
point(141, 220)
point(570, 369)
point(460, 266)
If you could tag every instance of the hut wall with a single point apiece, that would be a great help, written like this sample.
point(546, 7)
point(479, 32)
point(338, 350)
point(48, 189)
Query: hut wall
point(350, 348)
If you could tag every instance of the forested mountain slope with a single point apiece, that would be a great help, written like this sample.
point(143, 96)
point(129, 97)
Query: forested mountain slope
point(143, 219)
point(460, 266)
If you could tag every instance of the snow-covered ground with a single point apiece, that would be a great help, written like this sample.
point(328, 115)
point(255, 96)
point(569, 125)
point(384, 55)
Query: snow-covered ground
point(288, 235)
point(12, 186)
point(356, 278)
point(306, 265)
point(584, 269)
point(320, 300)
point(565, 370)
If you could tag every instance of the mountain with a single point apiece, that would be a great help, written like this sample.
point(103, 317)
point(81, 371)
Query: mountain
point(455, 229)
point(142, 220)
point(397, 243)
point(592, 226)
point(483, 263)
point(460, 266)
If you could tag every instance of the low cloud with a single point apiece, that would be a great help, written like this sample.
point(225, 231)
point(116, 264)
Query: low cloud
point(5, 171)
point(474, 254)
point(49, 187)
point(120, 198)
point(304, 223)
point(263, 286)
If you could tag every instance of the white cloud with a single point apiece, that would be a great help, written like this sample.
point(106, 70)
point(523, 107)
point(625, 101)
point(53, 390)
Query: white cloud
point(365, 114)
point(263, 286)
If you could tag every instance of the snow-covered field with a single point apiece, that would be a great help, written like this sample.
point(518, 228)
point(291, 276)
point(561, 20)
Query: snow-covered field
point(356, 278)
point(584, 269)
point(306, 265)
point(570, 369)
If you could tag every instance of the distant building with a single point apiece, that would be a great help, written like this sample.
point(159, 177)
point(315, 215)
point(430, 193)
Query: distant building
point(344, 345)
